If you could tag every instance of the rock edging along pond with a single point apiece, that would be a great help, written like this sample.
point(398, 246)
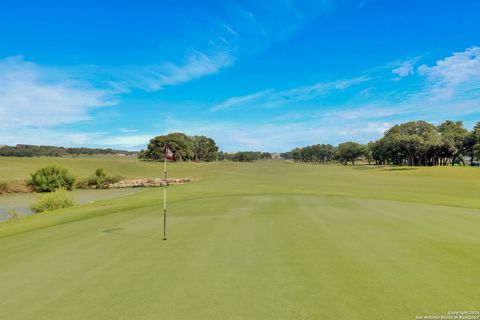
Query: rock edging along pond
point(149, 182)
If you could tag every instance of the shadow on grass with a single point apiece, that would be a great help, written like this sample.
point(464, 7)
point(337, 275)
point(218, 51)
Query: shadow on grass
point(399, 169)
point(117, 232)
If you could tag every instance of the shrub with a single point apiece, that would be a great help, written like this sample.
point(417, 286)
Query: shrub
point(100, 179)
point(3, 187)
point(13, 214)
point(58, 199)
point(50, 178)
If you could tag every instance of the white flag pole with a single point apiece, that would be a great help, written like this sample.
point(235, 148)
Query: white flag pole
point(165, 195)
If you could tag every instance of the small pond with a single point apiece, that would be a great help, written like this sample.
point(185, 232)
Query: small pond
point(22, 201)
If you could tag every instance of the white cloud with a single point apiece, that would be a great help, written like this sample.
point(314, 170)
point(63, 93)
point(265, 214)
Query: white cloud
point(458, 73)
point(274, 98)
point(46, 136)
point(127, 130)
point(240, 100)
point(35, 96)
point(157, 77)
point(406, 69)
point(130, 142)
point(68, 138)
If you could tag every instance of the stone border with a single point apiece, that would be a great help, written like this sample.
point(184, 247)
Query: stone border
point(149, 182)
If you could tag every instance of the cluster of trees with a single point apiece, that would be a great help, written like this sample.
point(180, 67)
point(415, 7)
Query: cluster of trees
point(244, 156)
point(195, 148)
point(24, 150)
point(414, 143)
point(418, 143)
point(185, 148)
point(323, 153)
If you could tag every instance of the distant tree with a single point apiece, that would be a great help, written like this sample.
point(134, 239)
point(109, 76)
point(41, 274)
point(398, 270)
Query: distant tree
point(247, 156)
point(197, 148)
point(204, 148)
point(412, 143)
point(181, 144)
point(221, 156)
point(471, 141)
point(369, 151)
point(24, 150)
point(476, 152)
point(287, 155)
point(142, 154)
point(349, 151)
point(314, 153)
point(453, 136)
point(297, 154)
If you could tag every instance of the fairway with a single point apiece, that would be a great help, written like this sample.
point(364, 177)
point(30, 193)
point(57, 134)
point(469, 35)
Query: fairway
point(263, 240)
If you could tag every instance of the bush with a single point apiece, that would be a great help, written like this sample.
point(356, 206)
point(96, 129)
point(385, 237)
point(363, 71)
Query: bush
point(50, 178)
point(3, 187)
point(99, 179)
point(58, 199)
point(13, 214)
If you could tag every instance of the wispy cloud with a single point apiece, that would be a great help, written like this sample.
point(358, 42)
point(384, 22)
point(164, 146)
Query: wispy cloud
point(49, 136)
point(34, 96)
point(246, 29)
point(125, 141)
point(240, 100)
point(156, 77)
point(274, 98)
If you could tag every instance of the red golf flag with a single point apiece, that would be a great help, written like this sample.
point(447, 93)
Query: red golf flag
point(168, 153)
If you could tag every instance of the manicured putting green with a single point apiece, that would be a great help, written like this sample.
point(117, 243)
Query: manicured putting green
point(268, 240)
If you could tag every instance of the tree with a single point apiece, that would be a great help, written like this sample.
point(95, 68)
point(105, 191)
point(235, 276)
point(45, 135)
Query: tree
point(369, 151)
point(476, 152)
point(297, 154)
point(349, 151)
point(453, 141)
point(221, 156)
point(181, 144)
point(470, 142)
point(204, 148)
point(415, 143)
point(248, 156)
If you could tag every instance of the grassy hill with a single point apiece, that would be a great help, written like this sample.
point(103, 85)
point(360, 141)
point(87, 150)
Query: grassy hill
point(263, 240)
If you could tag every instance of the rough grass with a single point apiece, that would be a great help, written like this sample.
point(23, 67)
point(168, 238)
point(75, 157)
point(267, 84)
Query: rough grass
point(12, 168)
point(58, 199)
point(14, 187)
point(264, 240)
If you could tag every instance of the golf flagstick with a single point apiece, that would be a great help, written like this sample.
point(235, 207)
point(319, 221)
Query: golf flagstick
point(167, 155)
point(165, 197)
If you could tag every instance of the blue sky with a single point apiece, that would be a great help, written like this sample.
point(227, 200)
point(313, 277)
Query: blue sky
point(253, 75)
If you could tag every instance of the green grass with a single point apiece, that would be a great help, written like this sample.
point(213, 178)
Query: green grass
point(12, 168)
point(264, 240)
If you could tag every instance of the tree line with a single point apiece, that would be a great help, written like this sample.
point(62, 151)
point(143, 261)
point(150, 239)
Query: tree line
point(414, 143)
point(24, 150)
point(244, 156)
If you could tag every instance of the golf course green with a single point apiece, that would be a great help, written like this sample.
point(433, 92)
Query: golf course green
point(261, 240)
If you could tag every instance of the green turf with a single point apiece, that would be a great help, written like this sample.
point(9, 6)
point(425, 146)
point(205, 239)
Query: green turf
point(266, 240)
point(12, 168)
